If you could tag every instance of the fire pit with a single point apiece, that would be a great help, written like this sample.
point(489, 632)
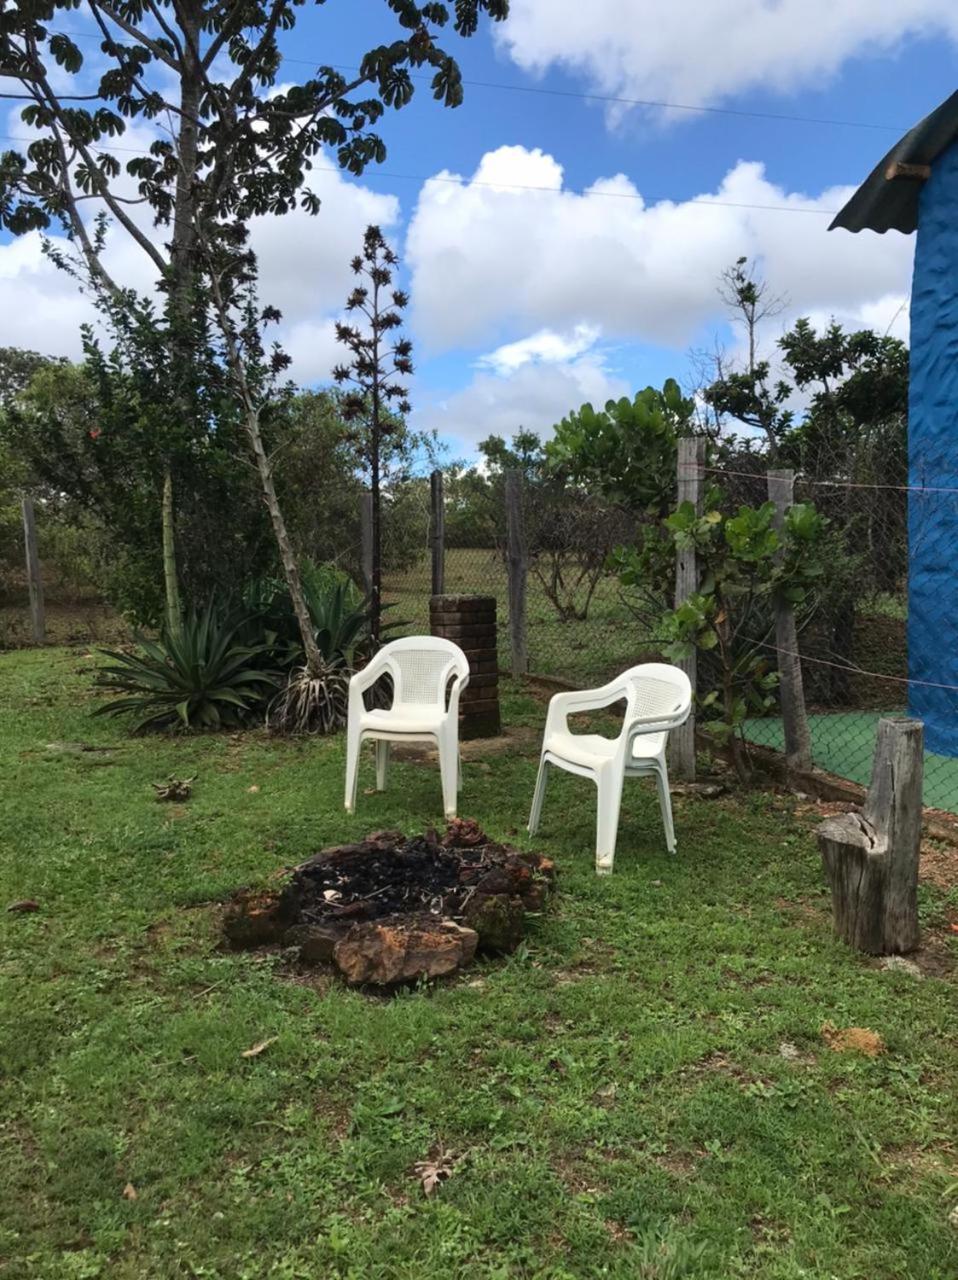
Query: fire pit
point(391, 910)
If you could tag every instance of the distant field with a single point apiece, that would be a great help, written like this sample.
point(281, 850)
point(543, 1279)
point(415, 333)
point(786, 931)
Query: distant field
point(583, 652)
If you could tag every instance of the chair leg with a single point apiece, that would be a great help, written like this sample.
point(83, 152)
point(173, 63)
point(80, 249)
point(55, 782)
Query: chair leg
point(382, 763)
point(665, 804)
point(352, 767)
point(449, 772)
point(538, 796)
point(608, 803)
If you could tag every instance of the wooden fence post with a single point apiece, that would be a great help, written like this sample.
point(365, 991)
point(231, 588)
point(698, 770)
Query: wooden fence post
point(366, 539)
point(437, 532)
point(798, 742)
point(517, 562)
point(34, 580)
point(871, 858)
point(690, 472)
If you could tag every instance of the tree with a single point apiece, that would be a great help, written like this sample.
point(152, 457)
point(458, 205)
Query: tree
point(230, 144)
point(745, 564)
point(377, 356)
point(750, 394)
point(628, 451)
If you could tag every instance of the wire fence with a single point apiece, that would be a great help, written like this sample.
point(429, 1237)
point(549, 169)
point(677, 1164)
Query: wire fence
point(855, 632)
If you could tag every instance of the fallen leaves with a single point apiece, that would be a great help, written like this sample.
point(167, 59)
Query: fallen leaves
point(175, 789)
point(24, 906)
point(259, 1048)
point(436, 1169)
point(853, 1040)
point(129, 1192)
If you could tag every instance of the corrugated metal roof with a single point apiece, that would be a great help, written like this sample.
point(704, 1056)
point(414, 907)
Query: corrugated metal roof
point(882, 204)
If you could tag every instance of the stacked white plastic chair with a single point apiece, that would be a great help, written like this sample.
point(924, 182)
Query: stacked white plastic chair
point(657, 697)
point(428, 674)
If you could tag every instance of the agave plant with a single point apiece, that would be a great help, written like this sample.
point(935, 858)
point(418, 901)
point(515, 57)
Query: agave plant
point(311, 702)
point(204, 678)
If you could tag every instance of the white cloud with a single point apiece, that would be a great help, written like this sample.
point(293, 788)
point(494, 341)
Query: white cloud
point(534, 395)
point(544, 347)
point(696, 53)
point(489, 261)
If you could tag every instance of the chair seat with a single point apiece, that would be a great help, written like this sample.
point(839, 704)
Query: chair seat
point(409, 720)
point(591, 749)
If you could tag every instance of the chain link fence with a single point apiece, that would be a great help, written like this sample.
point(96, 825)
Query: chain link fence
point(853, 633)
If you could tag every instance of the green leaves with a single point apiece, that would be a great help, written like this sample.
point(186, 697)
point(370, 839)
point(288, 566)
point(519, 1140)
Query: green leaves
point(201, 679)
point(627, 451)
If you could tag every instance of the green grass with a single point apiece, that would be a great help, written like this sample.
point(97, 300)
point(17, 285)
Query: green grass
point(617, 1086)
point(843, 742)
point(586, 653)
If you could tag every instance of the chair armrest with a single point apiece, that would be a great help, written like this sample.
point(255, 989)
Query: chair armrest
point(562, 705)
point(363, 680)
point(640, 725)
point(459, 683)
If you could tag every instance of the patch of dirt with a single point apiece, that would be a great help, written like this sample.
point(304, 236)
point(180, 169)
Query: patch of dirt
point(680, 1164)
point(517, 740)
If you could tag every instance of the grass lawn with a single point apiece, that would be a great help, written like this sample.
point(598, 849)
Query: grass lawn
point(617, 1087)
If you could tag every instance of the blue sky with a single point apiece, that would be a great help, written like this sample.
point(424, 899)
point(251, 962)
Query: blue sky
point(526, 301)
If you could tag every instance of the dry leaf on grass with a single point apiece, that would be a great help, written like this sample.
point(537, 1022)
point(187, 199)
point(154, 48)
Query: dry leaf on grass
point(175, 789)
point(436, 1169)
point(24, 906)
point(852, 1039)
point(129, 1192)
point(253, 789)
point(257, 1049)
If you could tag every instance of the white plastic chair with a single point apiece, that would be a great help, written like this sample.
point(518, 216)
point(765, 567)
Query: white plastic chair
point(425, 672)
point(658, 698)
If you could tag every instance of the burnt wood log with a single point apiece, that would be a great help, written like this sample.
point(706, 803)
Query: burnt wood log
point(871, 858)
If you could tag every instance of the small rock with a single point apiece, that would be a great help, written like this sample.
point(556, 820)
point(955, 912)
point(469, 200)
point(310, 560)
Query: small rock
point(316, 942)
point(387, 955)
point(899, 964)
point(254, 920)
point(789, 1051)
point(704, 790)
point(656, 884)
point(498, 922)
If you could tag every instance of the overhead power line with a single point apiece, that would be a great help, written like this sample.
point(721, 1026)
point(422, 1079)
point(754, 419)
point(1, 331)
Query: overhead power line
point(466, 183)
point(608, 98)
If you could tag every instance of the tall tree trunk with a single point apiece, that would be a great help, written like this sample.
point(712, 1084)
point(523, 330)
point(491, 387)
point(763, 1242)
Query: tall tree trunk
point(174, 611)
point(314, 659)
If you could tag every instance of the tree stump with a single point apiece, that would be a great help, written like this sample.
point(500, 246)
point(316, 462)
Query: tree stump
point(871, 858)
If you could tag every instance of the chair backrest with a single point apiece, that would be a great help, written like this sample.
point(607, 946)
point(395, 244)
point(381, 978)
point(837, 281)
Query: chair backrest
point(421, 668)
point(658, 689)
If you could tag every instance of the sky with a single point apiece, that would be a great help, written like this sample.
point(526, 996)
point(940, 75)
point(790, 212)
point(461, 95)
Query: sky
point(561, 241)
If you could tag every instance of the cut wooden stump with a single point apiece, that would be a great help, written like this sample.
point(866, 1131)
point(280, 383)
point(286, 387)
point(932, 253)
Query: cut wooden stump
point(871, 858)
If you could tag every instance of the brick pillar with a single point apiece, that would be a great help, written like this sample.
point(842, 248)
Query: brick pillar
point(470, 621)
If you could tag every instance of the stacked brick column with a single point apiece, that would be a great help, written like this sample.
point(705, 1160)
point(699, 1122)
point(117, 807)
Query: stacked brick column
point(471, 622)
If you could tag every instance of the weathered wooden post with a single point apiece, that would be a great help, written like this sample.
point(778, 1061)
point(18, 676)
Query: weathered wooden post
point(437, 532)
point(34, 579)
point(871, 858)
point(691, 469)
point(366, 539)
point(798, 742)
point(517, 561)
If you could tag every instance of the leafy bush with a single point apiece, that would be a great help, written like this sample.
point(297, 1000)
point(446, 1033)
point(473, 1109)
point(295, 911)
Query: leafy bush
point(206, 678)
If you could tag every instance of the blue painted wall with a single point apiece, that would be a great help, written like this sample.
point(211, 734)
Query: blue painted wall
point(933, 460)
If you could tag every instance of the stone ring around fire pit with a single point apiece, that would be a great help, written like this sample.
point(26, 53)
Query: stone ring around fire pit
point(390, 910)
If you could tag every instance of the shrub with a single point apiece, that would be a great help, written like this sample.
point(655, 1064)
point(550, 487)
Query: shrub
point(206, 678)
